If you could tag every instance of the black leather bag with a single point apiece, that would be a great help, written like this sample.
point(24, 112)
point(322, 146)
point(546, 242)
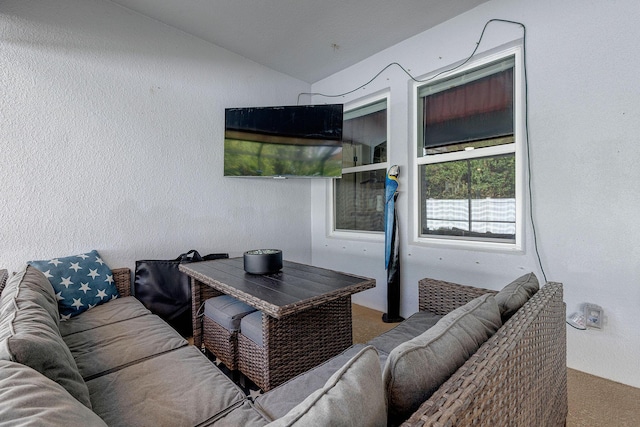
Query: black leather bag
point(166, 291)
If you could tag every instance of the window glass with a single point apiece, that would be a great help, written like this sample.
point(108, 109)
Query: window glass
point(364, 135)
point(467, 188)
point(470, 198)
point(359, 194)
point(360, 201)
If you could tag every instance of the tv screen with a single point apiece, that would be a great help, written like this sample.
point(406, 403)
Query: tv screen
point(286, 141)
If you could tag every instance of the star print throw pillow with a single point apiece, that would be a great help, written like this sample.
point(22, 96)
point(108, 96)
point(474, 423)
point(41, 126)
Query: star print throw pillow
point(80, 282)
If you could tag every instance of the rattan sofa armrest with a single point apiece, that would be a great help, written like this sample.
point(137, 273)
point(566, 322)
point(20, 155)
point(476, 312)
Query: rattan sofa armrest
point(122, 278)
point(440, 297)
point(517, 377)
point(3, 279)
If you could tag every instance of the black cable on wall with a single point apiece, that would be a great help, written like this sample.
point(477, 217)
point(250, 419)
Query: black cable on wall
point(526, 115)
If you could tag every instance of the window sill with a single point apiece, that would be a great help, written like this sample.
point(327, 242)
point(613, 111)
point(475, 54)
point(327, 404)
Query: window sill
point(369, 236)
point(469, 245)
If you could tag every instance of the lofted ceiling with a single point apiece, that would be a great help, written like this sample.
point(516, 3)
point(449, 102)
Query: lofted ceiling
point(306, 39)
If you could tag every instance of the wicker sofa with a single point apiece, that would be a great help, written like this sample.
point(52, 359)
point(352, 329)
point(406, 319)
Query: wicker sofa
point(115, 364)
point(153, 377)
point(517, 377)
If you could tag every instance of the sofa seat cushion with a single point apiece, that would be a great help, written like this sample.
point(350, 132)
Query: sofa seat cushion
point(243, 415)
point(516, 294)
point(353, 393)
point(416, 368)
point(29, 335)
point(179, 388)
point(28, 398)
point(115, 311)
point(408, 329)
point(80, 282)
point(280, 400)
point(111, 347)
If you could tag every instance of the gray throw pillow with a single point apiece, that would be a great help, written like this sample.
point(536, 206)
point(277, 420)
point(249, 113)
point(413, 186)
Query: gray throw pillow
point(30, 336)
point(352, 396)
point(416, 368)
point(516, 294)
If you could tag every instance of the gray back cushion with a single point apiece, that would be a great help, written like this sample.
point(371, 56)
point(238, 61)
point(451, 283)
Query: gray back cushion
point(416, 368)
point(353, 395)
point(29, 398)
point(29, 333)
point(516, 294)
point(416, 324)
point(31, 285)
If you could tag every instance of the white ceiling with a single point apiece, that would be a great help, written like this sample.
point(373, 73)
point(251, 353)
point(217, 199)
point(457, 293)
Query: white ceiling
point(306, 39)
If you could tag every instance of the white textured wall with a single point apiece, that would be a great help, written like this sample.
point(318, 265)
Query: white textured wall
point(584, 111)
point(111, 134)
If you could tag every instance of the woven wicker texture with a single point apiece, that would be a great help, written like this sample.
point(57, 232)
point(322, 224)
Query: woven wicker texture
point(294, 344)
point(306, 314)
point(3, 279)
point(440, 297)
point(221, 342)
point(122, 278)
point(517, 378)
point(199, 294)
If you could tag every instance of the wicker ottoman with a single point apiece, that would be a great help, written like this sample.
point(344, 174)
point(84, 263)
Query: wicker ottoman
point(220, 326)
point(272, 351)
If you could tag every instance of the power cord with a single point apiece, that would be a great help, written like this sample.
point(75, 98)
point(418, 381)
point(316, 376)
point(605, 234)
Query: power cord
point(526, 115)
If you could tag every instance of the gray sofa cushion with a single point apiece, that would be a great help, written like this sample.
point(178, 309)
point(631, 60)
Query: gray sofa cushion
point(116, 310)
point(516, 294)
point(251, 327)
point(353, 394)
point(415, 369)
point(178, 388)
point(101, 350)
point(410, 328)
point(29, 335)
point(280, 400)
point(242, 415)
point(28, 398)
point(226, 311)
point(33, 286)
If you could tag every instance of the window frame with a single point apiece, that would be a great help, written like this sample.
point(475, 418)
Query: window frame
point(343, 233)
point(517, 148)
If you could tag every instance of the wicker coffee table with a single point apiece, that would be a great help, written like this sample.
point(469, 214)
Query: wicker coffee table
point(306, 316)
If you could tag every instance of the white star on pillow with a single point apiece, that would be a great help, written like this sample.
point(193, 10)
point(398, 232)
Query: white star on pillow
point(77, 303)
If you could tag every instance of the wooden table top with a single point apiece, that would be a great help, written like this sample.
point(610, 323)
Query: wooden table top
point(295, 288)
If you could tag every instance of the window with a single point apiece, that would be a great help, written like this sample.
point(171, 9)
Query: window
point(359, 194)
point(467, 162)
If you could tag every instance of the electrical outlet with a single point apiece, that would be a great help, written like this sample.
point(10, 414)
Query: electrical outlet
point(594, 315)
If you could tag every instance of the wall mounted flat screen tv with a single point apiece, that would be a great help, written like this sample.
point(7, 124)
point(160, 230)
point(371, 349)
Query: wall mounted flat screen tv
point(287, 141)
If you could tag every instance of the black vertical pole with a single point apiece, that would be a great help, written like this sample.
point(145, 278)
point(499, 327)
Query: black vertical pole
point(393, 275)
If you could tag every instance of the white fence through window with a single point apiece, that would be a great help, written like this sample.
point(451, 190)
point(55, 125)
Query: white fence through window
point(497, 216)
